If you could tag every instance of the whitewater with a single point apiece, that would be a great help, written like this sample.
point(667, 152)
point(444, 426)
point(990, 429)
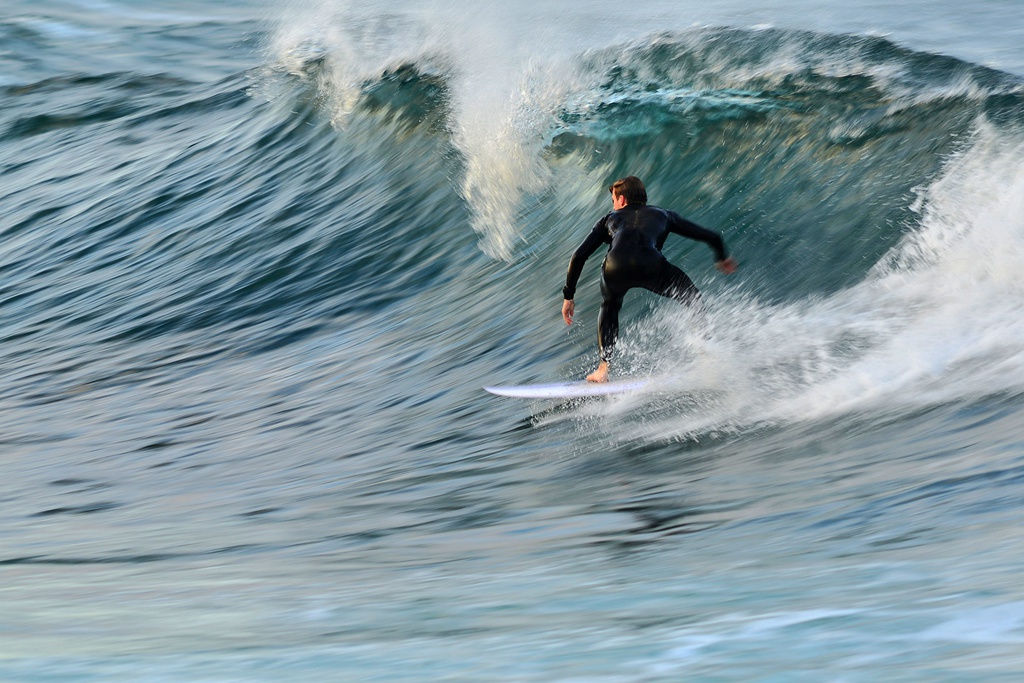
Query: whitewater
point(258, 259)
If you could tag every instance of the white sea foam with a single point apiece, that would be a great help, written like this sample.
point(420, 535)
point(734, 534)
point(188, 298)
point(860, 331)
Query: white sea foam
point(940, 319)
point(946, 306)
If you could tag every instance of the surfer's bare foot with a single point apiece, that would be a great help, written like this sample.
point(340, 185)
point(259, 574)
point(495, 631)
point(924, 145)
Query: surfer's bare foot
point(599, 375)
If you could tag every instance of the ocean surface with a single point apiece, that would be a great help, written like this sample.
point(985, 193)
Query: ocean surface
point(258, 259)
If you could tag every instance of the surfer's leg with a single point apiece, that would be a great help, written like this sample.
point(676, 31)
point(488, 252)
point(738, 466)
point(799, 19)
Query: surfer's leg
point(675, 284)
point(607, 327)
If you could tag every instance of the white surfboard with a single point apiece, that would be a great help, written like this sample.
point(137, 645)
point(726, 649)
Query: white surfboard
point(569, 389)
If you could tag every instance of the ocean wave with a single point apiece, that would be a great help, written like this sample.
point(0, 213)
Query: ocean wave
point(261, 210)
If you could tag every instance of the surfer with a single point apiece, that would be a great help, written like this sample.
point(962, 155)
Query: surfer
point(636, 233)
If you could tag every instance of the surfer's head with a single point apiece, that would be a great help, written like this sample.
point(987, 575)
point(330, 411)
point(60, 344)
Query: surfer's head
point(631, 188)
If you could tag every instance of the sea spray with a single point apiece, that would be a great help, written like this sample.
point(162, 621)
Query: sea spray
point(938, 320)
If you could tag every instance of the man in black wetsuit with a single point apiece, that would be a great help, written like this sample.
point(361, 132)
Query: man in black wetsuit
point(636, 233)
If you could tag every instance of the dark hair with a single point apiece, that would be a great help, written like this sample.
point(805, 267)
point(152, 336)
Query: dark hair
point(630, 187)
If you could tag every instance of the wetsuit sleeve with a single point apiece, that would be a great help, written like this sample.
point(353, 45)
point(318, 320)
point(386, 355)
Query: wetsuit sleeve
point(597, 237)
point(681, 226)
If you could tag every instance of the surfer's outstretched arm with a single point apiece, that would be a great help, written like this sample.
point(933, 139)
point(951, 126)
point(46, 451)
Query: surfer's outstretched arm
point(687, 228)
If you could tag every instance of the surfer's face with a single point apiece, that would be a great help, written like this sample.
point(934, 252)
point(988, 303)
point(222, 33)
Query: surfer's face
point(618, 201)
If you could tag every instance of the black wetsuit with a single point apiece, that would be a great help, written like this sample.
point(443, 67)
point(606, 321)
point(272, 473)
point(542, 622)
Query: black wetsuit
point(636, 235)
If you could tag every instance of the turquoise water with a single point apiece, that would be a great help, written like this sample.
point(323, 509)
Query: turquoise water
point(258, 260)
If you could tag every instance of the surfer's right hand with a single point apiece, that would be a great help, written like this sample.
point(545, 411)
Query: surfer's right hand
point(568, 308)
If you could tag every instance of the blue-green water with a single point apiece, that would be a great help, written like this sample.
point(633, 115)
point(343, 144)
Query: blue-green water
point(257, 261)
